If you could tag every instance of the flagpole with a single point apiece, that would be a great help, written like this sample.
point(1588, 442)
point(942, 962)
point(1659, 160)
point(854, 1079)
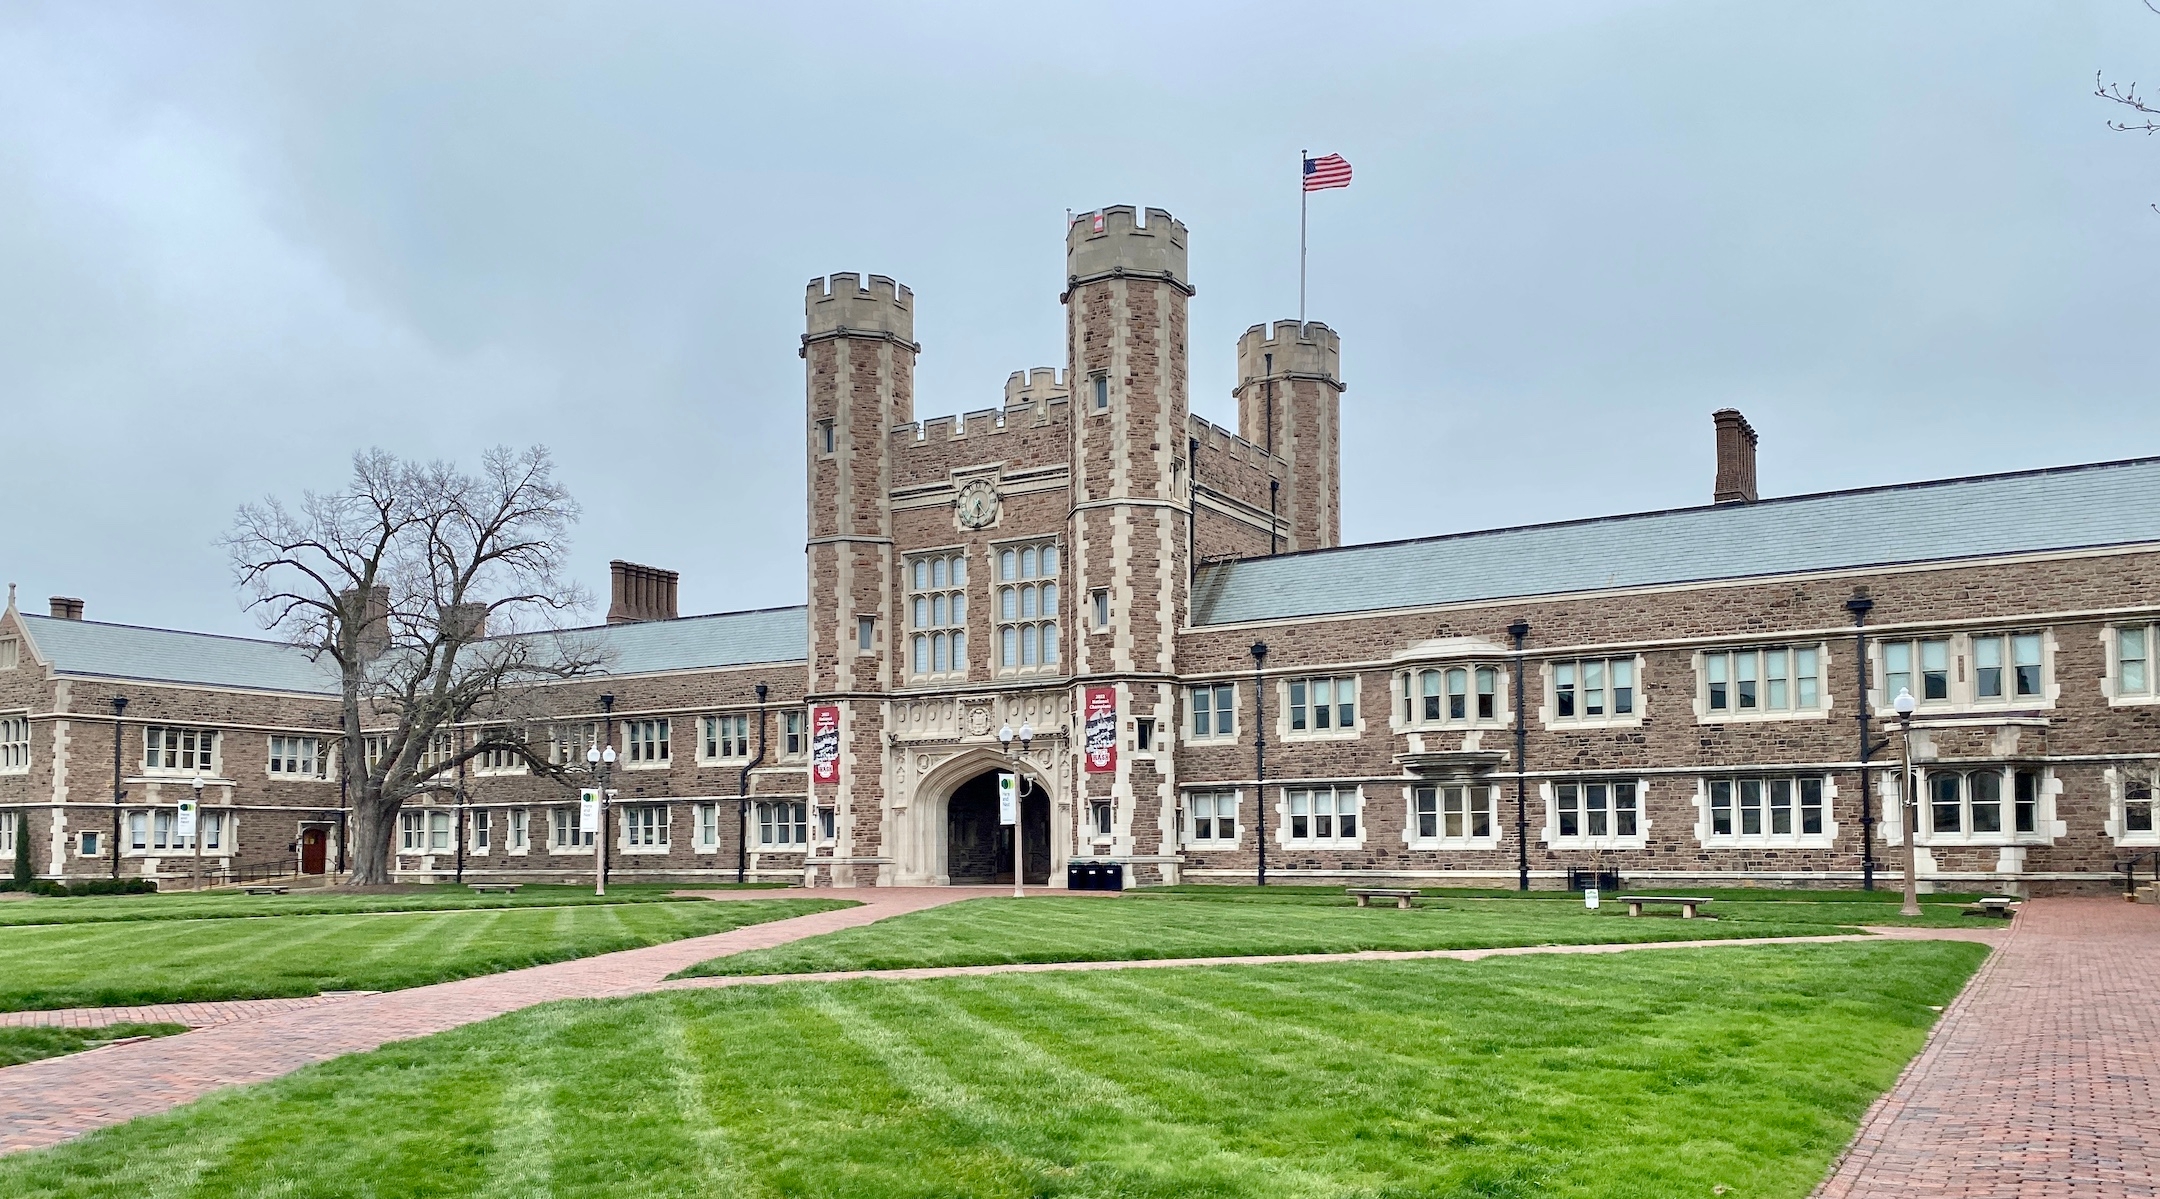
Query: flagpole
point(1302, 196)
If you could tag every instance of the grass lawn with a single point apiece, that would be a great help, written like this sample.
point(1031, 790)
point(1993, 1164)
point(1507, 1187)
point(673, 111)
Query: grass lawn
point(169, 961)
point(19, 1045)
point(1159, 925)
point(1631, 1076)
point(197, 905)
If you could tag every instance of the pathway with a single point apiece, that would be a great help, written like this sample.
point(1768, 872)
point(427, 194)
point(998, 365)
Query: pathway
point(2040, 1079)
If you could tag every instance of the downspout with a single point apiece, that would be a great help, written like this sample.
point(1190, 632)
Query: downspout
point(1267, 388)
point(1192, 519)
point(1519, 630)
point(1860, 605)
point(1274, 530)
point(461, 808)
point(1259, 696)
point(119, 705)
point(742, 796)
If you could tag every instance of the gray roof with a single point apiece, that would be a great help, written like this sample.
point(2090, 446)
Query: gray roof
point(89, 648)
point(2108, 503)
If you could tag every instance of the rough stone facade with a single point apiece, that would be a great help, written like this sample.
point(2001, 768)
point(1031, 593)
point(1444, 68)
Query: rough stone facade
point(973, 580)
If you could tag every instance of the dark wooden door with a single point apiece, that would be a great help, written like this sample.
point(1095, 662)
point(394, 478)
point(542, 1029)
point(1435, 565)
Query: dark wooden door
point(312, 844)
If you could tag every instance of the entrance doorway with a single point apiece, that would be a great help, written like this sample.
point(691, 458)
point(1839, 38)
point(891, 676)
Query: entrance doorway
point(314, 846)
point(980, 850)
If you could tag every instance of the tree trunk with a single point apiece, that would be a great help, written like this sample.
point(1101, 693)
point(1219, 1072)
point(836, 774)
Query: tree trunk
point(374, 821)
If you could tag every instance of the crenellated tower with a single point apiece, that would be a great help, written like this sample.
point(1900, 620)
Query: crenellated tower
point(1126, 291)
point(1289, 404)
point(858, 350)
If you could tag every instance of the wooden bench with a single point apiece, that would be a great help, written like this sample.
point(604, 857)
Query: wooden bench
point(1365, 896)
point(266, 889)
point(1993, 905)
point(494, 888)
point(1688, 903)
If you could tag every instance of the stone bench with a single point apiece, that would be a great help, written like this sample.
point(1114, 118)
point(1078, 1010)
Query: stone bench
point(1365, 895)
point(1688, 903)
point(1994, 905)
point(266, 889)
point(493, 888)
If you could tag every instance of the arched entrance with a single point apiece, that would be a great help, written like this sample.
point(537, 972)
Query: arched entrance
point(978, 849)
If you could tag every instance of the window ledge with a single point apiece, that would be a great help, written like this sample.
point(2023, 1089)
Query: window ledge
point(1569, 723)
point(645, 765)
point(721, 763)
point(642, 850)
point(1330, 735)
point(1982, 840)
point(1214, 846)
point(1335, 844)
point(1440, 843)
point(2132, 701)
point(1769, 841)
point(14, 770)
point(1597, 843)
point(1762, 717)
point(575, 852)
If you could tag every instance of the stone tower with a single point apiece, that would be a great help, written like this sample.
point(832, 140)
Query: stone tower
point(858, 351)
point(1288, 395)
point(1125, 295)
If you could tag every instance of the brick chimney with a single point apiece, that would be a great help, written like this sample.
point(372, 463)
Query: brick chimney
point(1735, 458)
point(637, 593)
point(66, 607)
point(370, 613)
point(465, 622)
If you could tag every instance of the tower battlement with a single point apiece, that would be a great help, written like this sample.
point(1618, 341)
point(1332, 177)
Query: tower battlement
point(1113, 241)
point(840, 303)
point(1307, 351)
point(1036, 387)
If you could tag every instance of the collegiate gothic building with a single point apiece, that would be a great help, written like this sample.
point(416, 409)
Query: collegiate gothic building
point(1149, 620)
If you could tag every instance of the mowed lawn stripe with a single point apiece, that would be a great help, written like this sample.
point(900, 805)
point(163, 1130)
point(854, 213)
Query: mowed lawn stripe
point(142, 962)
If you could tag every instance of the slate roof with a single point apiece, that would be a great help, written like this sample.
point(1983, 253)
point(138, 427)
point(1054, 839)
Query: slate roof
point(2108, 503)
point(91, 648)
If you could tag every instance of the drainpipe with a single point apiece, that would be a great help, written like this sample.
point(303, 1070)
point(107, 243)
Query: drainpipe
point(461, 808)
point(742, 794)
point(1860, 605)
point(1259, 697)
point(1519, 630)
point(119, 705)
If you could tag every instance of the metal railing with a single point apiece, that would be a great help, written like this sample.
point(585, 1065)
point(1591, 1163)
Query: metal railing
point(2129, 870)
point(1603, 880)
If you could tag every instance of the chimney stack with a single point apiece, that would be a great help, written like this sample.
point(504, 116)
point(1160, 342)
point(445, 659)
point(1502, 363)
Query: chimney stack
point(466, 622)
point(639, 593)
point(66, 608)
point(369, 614)
point(1735, 458)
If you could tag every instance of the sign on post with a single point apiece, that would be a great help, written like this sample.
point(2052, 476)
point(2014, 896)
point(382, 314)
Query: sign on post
point(1589, 898)
point(588, 817)
point(1008, 799)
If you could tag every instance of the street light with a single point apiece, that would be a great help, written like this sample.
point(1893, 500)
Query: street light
point(602, 762)
point(1005, 739)
point(197, 783)
point(1905, 703)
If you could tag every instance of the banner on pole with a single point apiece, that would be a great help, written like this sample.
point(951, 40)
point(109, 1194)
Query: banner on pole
point(588, 817)
point(1008, 799)
point(825, 744)
point(1100, 747)
point(187, 818)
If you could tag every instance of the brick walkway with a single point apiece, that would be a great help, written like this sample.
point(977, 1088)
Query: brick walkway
point(194, 1015)
point(2039, 1080)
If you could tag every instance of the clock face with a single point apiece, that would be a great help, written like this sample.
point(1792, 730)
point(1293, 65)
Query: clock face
point(977, 504)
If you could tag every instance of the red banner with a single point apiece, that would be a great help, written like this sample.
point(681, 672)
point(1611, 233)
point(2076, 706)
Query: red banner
point(825, 744)
point(1100, 708)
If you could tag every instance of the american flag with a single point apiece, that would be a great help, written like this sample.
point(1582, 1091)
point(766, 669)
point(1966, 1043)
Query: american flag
point(1326, 171)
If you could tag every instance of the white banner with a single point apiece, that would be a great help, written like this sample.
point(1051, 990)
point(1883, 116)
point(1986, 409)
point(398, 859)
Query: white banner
point(588, 820)
point(1008, 799)
point(187, 818)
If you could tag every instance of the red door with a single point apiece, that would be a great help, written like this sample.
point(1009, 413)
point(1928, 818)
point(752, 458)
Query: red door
point(312, 843)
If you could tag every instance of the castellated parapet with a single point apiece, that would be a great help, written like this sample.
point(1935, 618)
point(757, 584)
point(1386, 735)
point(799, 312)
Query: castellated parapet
point(1113, 242)
point(1036, 387)
point(1307, 351)
point(840, 304)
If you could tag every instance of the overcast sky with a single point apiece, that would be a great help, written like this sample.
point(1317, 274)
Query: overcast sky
point(238, 242)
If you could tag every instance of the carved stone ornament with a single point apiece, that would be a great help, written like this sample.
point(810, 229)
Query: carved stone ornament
point(978, 721)
point(977, 504)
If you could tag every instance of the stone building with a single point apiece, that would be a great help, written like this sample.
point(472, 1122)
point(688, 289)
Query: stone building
point(1149, 620)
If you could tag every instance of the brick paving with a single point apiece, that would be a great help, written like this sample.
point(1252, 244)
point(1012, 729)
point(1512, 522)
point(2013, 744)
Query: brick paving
point(194, 1015)
point(2038, 1082)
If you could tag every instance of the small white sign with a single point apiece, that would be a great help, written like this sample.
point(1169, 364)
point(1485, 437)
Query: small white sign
point(588, 819)
point(187, 818)
point(1589, 898)
point(1008, 799)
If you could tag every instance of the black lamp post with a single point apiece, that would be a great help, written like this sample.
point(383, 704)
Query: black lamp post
point(601, 758)
point(1519, 630)
point(742, 798)
point(1259, 699)
point(1909, 810)
point(119, 706)
point(1860, 605)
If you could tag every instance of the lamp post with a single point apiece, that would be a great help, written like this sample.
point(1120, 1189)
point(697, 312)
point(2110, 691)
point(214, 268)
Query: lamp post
point(1519, 630)
point(1259, 701)
point(1005, 740)
point(601, 761)
point(1907, 809)
point(197, 784)
point(119, 708)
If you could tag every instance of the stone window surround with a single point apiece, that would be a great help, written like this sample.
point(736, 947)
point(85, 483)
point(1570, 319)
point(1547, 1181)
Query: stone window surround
point(629, 814)
point(957, 668)
point(2111, 679)
point(1494, 797)
point(1826, 839)
point(1962, 682)
point(2118, 776)
point(2048, 828)
point(1549, 836)
point(325, 751)
point(579, 846)
point(1825, 700)
point(228, 829)
point(480, 831)
point(761, 813)
point(15, 757)
point(1052, 616)
point(706, 731)
point(1214, 736)
point(1212, 844)
point(1406, 685)
point(1639, 701)
point(1283, 731)
point(1282, 813)
point(704, 813)
point(217, 753)
point(663, 743)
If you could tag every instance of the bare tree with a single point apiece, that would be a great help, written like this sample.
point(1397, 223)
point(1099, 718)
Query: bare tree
point(2144, 109)
point(439, 597)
